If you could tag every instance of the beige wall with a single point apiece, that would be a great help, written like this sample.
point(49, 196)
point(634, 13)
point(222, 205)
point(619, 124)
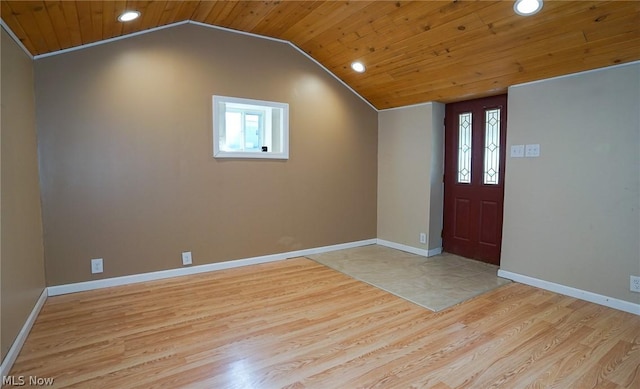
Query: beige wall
point(436, 189)
point(409, 158)
point(22, 274)
point(572, 216)
point(127, 169)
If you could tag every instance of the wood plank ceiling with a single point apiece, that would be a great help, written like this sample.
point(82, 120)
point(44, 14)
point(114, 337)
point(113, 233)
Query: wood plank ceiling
point(415, 51)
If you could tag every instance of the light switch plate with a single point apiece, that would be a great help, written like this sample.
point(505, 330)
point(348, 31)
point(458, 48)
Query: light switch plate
point(517, 151)
point(532, 151)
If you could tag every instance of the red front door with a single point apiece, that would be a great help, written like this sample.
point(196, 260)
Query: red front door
point(475, 139)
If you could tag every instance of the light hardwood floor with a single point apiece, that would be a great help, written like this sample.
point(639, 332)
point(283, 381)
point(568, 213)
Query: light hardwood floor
point(299, 324)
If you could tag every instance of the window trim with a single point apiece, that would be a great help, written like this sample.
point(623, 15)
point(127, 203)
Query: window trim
point(218, 112)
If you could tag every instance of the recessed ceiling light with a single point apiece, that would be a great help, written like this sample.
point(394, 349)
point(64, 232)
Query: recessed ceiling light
point(358, 67)
point(527, 7)
point(128, 16)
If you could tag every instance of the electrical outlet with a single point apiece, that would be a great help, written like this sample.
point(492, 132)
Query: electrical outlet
point(96, 265)
point(635, 284)
point(423, 238)
point(186, 258)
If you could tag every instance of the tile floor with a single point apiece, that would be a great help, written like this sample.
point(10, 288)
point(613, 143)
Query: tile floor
point(435, 283)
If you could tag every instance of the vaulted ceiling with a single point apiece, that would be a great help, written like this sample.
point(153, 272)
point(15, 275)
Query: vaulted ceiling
point(414, 51)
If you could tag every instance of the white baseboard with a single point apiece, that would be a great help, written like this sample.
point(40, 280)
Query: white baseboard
point(436, 251)
point(610, 302)
point(10, 358)
point(409, 249)
point(158, 275)
point(403, 247)
point(12, 354)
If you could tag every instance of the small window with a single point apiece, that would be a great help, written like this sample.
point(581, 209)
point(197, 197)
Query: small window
point(244, 128)
point(464, 148)
point(492, 147)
